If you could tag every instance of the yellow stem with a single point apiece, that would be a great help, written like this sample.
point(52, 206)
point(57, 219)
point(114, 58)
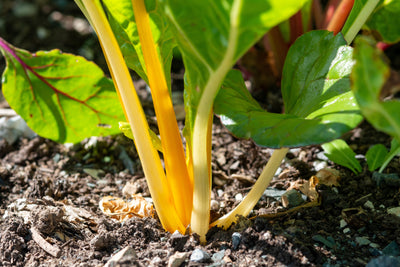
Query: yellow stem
point(174, 155)
point(149, 157)
point(256, 192)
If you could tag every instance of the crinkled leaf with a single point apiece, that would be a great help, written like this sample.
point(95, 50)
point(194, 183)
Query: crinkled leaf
point(213, 35)
point(122, 21)
point(386, 20)
point(61, 96)
point(339, 152)
point(368, 76)
point(319, 105)
point(375, 156)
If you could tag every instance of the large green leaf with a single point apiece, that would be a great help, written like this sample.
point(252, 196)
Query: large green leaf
point(386, 20)
point(368, 76)
point(122, 21)
point(61, 96)
point(213, 35)
point(319, 105)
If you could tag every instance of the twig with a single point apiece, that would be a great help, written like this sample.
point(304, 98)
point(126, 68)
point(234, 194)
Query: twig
point(46, 246)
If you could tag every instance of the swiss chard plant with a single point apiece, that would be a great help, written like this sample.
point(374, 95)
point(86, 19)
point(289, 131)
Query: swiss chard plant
point(65, 98)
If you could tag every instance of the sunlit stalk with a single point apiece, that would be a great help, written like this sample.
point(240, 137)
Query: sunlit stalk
point(174, 156)
point(362, 17)
point(339, 17)
point(251, 199)
point(149, 157)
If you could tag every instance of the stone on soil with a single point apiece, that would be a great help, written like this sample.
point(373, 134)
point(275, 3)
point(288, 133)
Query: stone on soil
point(199, 255)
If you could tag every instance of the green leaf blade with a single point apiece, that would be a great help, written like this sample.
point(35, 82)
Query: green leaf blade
point(340, 153)
point(319, 108)
point(368, 76)
point(376, 156)
point(61, 96)
point(212, 42)
point(386, 21)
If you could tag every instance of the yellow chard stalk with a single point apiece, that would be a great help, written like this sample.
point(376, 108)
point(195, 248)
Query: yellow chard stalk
point(159, 188)
point(174, 156)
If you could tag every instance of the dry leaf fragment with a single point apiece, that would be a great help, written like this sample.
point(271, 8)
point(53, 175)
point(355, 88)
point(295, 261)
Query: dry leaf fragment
point(121, 210)
point(307, 187)
point(329, 177)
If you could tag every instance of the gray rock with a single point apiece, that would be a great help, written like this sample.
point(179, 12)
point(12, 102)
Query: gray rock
point(392, 249)
point(236, 238)
point(218, 257)
point(199, 255)
point(384, 261)
point(125, 257)
point(386, 179)
point(177, 259)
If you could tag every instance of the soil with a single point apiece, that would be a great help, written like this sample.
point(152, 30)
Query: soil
point(50, 193)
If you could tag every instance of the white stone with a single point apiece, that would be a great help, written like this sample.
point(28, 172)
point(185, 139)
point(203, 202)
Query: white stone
point(369, 205)
point(395, 211)
point(343, 223)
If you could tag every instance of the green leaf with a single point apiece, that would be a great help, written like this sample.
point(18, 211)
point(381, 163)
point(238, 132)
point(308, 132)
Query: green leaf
point(319, 105)
point(394, 151)
point(386, 20)
point(368, 76)
point(375, 156)
point(340, 153)
point(213, 35)
point(61, 96)
point(125, 127)
point(122, 21)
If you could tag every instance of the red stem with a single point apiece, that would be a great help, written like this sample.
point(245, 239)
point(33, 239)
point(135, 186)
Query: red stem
point(329, 11)
point(275, 41)
point(296, 26)
point(340, 16)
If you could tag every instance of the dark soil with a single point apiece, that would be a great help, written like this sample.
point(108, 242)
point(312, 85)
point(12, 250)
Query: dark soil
point(50, 193)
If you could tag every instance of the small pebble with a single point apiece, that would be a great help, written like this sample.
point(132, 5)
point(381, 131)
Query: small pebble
point(238, 197)
point(362, 241)
point(343, 223)
point(177, 259)
point(214, 205)
point(273, 192)
point(319, 165)
point(236, 238)
point(369, 205)
point(199, 255)
point(218, 256)
point(220, 192)
point(346, 230)
point(394, 211)
point(321, 155)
